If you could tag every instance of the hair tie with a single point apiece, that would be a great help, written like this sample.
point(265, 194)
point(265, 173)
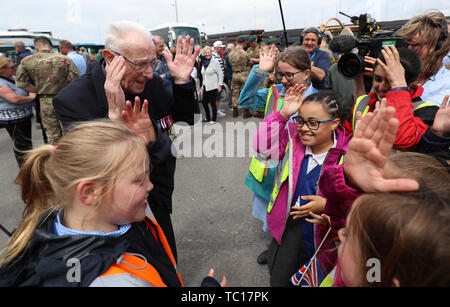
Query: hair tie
point(53, 149)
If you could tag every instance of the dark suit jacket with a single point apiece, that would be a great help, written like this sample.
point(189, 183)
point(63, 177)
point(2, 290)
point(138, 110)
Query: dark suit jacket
point(84, 99)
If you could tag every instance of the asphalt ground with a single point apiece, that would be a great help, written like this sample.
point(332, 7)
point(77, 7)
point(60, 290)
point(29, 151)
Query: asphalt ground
point(212, 207)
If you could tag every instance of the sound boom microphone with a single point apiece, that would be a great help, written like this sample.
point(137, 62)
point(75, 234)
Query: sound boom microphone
point(342, 44)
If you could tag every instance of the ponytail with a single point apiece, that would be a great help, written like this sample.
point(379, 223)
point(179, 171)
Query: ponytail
point(37, 194)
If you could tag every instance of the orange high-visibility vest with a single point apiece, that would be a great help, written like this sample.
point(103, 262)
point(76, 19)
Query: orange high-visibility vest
point(136, 266)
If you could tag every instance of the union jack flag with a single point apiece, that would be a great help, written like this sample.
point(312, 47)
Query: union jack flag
point(308, 276)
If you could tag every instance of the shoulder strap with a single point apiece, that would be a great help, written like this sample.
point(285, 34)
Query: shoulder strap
point(361, 105)
point(272, 98)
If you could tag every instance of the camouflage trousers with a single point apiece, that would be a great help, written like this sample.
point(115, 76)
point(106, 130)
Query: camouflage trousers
point(49, 121)
point(237, 85)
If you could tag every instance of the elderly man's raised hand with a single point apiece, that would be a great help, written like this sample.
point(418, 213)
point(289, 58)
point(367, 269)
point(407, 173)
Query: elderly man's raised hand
point(181, 67)
point(113, 89)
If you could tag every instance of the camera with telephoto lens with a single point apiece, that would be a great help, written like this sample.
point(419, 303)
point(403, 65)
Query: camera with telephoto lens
point(369, 43)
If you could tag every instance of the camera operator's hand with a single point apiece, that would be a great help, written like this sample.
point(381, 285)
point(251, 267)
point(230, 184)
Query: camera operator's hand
point(394, 70)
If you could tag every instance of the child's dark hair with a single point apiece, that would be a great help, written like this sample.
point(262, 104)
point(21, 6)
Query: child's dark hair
point(411, 63)
point(330, 100)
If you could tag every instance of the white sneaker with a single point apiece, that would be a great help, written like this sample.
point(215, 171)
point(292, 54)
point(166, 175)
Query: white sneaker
point(220, 114)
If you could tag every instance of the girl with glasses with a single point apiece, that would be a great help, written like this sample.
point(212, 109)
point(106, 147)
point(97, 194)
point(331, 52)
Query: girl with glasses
point(312, 143)
point(290, 68)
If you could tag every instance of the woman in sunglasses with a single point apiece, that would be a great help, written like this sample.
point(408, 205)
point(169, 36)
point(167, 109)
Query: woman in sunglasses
point(314, 141)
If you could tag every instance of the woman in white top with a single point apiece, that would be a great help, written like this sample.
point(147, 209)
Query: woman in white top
point(212, 83)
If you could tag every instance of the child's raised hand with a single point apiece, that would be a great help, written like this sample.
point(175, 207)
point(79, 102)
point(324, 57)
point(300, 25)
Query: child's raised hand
point(267, 58)
point(368, 152)
point(138, 120)
point(293, 100)
point(393, 68)
point(441, 124)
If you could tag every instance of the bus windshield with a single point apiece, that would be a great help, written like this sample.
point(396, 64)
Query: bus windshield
point(184, 31)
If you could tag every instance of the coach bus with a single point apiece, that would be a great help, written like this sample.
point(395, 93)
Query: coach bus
point(11, 36)
point(171, 31)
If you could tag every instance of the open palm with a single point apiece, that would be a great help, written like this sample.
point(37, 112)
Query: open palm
point(368, 152)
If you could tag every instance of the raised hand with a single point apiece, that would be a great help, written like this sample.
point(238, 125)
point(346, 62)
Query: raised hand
point(138, 120)
point(113, 89)
point(368, 152)
point(267, 58)
point(293, 100)
point(181, 67)
point(441, 124)
point(394, 70)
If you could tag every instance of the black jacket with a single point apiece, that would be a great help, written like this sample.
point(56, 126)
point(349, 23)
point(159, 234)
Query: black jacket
point(84, 99)
point(47, 260)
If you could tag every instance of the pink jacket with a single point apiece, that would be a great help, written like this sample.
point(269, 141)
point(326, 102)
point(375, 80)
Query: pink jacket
point(273, 132)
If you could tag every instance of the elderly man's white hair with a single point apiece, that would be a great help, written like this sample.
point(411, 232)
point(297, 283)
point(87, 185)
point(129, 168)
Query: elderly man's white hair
point(117, 31)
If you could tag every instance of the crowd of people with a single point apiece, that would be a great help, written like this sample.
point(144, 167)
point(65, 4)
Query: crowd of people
point(321, 163)
point(334, 164)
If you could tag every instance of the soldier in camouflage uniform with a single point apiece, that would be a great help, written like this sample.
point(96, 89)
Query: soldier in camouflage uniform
point(46, 73)
point(240, 64)
point(253, 50)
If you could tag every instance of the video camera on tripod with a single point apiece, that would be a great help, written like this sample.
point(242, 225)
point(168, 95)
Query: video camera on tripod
point(369, 42)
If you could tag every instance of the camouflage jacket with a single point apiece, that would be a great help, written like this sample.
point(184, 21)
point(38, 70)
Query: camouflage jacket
point(253, 52)
point(46, 72)
point(239, 60)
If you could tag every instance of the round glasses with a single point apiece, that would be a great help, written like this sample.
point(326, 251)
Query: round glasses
point(311, 124)
point(289, 76)
point(137, 66)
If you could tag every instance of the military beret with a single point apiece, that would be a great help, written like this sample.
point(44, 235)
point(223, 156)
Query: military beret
point(252, 38)
point(44, 37)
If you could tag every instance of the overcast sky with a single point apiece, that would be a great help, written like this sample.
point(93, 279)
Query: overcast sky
point(87, 20)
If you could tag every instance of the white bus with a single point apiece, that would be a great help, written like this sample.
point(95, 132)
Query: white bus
point(171, 31)
point(9, 37)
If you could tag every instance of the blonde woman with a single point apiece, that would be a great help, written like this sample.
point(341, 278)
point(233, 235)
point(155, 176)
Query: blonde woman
point(212, 83)
point(428, 35)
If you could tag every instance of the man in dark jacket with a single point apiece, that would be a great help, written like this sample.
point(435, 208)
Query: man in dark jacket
point(126, 72)
point(21, 52)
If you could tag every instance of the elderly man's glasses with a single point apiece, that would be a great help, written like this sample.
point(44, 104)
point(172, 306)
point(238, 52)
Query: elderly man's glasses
point(139, 66)
point(311, 124)
point(289, 76)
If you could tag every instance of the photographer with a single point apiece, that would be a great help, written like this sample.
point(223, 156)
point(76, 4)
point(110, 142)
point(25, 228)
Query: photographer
point(428, 36)
point(394, 77)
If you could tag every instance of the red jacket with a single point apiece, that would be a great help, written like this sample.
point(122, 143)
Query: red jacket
point(411, 128)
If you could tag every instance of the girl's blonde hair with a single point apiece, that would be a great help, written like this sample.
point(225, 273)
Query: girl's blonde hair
point(431, 28)
point(97, 151)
